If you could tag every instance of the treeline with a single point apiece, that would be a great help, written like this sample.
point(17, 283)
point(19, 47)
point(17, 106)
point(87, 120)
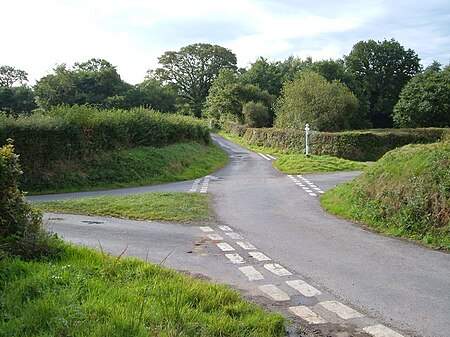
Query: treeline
point(378, 84)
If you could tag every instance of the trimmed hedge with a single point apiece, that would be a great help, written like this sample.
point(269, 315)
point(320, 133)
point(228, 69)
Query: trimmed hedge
point(367, 145)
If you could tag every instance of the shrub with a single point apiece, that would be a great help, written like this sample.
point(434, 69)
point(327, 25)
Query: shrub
point(256, 114)
point(21, 229)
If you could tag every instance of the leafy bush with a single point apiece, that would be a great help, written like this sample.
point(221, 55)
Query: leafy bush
point(256, 114)
point(21, 229)
point(312, 99)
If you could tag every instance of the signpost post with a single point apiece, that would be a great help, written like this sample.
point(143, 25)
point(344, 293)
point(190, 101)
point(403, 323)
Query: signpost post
point(306, 140)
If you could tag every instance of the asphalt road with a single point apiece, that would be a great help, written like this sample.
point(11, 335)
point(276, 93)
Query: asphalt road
point(400, 285)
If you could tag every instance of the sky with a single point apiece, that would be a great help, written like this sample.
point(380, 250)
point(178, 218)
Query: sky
point(36, 35)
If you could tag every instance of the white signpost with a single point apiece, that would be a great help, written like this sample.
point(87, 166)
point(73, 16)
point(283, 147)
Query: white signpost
point(306, 140)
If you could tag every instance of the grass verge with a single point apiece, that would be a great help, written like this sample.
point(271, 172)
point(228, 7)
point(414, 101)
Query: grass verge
point(126, 168)
point(406, 194)
point(148, 206)
point(300, 164)
point(294, 163)
point(86, 293)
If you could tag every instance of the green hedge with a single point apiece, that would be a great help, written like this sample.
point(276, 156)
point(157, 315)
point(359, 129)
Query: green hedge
point(366, 145)
point(80, 131)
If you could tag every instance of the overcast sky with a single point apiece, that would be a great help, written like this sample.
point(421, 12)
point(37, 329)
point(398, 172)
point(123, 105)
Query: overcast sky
point(131, 34)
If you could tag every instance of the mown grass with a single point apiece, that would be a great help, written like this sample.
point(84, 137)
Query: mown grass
point(127, 168)
point(148, 206)
point(87, 293)
point(405, 194)
point(295, 163)
point(300, 164)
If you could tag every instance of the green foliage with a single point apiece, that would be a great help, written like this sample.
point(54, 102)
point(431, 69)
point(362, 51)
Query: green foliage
point(312, 99)
point(10, 75)
point(192, 69)
point(406, 193)
point(15, 101)
point(91, 82)
point(256, 114)
point(425, 100)
point(300, 164)
point(151, 206)
point(381, 70)
point(21, 231)
point(364, 145)
point(228, 95)
point(87, 293)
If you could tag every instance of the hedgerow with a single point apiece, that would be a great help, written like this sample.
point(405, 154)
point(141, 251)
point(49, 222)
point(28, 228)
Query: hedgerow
point(367, 145)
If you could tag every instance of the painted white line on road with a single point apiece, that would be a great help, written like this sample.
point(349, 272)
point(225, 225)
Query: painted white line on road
point(274, 292)
point(235, 258)
point(313, 194)
point(225, 247)
point(264, 156)
point(271, 157)
point(225, 228)
point(307, 314)
point(234, 236)
point(259, 256)
point(300, 184)
point(215, 237)
point(246, 245)
point(277, 269)
point(251, 273)
point(206, 229)
point(308, 191)
point(340, 309)
point(321, 191)
point(381, 331)
point(194, 186)
point(304, 288)
point(204, 188)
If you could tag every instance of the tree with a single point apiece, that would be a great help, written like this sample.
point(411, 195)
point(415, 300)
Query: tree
point(10, 75)
point(228, 95)
point(15, 101)
point(91, 82)
point(425, 100)
point(310, 98)
point(256, 114)
point(192, 69)
point(382, 69)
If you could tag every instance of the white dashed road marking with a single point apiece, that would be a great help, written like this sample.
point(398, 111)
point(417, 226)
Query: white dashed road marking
point(264, 156)
point(225, 228)
point(234, 236)
point(277, 269)
point(215, 237)
point(204, 188)
point(251, 273)
point(381, 331)
point(307, 314)
point(225, 247)
point(194, 186)
point(340, 309)
point(259, 256)
point(235, 258)
point(274, 292)
point(304, 288)
point(246, 245)
point(206, 229)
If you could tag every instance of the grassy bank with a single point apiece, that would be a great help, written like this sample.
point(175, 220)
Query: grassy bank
point(131, 167)
point(149, 206)
point(292, 162)
point(406, 194)
point(85, 293)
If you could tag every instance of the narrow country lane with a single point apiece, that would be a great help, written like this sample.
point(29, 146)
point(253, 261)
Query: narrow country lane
point(271, 240)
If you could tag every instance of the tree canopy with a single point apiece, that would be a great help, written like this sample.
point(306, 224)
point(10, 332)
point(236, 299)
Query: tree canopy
point(310, 98)
point(381, 70)
point(10, 76)
point(425, 100)
point(192, 69)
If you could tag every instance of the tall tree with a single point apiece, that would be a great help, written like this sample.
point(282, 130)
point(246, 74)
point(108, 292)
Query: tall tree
point(10, 75)
point(192, 69)
point(381, 70)
point(425, 100)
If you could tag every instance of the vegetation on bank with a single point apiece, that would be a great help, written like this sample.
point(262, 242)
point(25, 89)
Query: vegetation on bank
point(405, 194)
point(126, 168)
point(149, 206)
